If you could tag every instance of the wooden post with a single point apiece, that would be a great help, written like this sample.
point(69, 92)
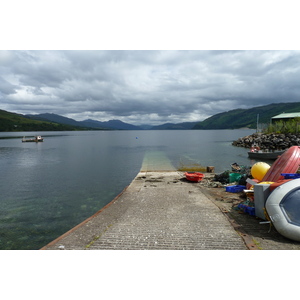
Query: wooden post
point(210, 169)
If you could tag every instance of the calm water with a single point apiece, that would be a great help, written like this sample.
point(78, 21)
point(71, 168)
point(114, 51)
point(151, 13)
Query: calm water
point(48, 188)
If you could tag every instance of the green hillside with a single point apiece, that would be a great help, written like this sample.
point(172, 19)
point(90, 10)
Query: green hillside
point(239, 118)
point(172, 126)
point(15, 122)
point(233, 119)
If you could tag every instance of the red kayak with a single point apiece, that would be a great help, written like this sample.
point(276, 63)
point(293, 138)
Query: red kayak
point(194, 176)
point(288, 162)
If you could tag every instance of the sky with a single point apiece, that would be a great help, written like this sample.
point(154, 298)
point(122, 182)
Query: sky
point(104, 63)
point(46, 66)
point(145, 87)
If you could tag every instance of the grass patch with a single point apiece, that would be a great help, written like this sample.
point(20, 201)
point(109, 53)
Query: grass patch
point(257, 244)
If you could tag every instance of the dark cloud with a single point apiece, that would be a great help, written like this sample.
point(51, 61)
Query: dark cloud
point(146, 86)
point(6, 88)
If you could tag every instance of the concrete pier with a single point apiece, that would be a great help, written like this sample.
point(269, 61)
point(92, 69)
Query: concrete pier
point(158, 210)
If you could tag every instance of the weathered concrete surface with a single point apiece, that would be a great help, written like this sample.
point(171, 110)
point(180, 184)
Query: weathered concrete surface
point(159, 210)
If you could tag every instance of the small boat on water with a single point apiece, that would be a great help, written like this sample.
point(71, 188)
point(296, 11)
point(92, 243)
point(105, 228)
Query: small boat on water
point(194, 176)
point(256, 153)
point(36, 139)
point(265, 155)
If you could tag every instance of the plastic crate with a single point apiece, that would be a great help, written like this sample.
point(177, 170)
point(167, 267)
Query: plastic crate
point(250, 211)
point(235, 188)
point(290, 175)
point(242, 206)
point(247, 209)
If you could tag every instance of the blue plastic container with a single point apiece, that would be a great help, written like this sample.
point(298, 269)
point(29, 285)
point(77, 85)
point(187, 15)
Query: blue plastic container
point(290, 175)
point(247, 209)
point(251, 211)
point(242, 206)
point(235, 188)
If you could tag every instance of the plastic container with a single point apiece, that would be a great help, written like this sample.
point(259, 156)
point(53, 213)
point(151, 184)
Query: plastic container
point(235, 188)
point(247, 209)
point(242, 206)
point(250, 210)
point(234, 177)
point(290, 175)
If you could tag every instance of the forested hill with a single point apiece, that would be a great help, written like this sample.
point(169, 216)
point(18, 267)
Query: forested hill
point(239, 118)
point(233, 119)
point(16, 122)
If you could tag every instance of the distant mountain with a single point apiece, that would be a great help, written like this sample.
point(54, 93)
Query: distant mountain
point(145, 127)
point(112, 124)
point(233, 119)
point(239, 118)
point(172, 126)
point(16, 122)
point(54, 118)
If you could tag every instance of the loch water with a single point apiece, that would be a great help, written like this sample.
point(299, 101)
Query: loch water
point(49, 187)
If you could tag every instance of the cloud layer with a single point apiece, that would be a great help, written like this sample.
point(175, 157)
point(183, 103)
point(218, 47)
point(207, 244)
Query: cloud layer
point(145, 87)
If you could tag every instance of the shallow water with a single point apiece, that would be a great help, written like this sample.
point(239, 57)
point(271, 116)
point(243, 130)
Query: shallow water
point(47, 188)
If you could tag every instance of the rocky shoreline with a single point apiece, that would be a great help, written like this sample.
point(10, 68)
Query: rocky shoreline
point(270, 141)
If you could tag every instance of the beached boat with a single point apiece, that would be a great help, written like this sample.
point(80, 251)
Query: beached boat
point(282, 206)
point(36, 139)
point(256, 153)
point(288, 162)
point(194, 176)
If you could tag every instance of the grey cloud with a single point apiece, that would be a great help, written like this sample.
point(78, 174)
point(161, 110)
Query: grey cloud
point(6, 87)
point(132, 84)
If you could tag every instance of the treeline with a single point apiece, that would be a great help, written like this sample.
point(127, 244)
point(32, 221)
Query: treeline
point(284, 127)
point(43, 126)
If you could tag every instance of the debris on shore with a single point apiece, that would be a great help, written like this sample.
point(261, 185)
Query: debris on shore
point(270, 193)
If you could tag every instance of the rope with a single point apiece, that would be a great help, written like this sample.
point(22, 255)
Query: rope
point(268, 218)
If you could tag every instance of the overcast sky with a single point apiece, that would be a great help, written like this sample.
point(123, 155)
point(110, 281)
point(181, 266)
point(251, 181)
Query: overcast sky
point(145, 87)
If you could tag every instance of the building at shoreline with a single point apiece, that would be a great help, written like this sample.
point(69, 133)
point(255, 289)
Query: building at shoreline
point(285, 117)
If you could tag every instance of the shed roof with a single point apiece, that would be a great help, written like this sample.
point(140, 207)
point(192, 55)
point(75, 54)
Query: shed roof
point(287, 115)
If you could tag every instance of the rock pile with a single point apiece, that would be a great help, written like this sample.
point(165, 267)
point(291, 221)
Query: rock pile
point(270, 141)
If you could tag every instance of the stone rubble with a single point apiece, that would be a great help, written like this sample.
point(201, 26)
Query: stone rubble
point(269, 141)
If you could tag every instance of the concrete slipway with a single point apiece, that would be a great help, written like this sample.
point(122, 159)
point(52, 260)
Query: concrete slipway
point(158, 210)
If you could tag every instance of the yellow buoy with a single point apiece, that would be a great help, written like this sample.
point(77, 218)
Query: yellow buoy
point(259, 170)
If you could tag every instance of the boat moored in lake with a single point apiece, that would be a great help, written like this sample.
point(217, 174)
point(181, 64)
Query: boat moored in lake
point(36, 139)
point(265, 155)
point(256, 153)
